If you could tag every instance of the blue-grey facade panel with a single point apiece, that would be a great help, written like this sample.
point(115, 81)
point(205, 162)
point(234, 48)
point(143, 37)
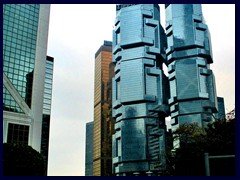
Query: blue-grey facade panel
point(186, 29)
point(220, 115)
point(140, 90)
point(133, 136)
point(142, 93)
point(89, 149)
point(192, 84)
point(132, 78)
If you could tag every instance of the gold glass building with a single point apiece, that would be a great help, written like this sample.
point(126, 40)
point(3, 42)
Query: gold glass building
point(103, 124)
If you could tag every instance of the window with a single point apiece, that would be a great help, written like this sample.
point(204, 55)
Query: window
point(18, 133)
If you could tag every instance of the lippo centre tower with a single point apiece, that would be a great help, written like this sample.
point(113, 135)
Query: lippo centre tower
point(192, 84)
point(140, 90)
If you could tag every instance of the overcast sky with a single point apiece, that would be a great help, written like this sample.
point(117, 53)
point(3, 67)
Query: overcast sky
point(76, 32)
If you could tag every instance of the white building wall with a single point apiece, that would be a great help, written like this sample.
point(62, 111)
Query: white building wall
point(39, 75)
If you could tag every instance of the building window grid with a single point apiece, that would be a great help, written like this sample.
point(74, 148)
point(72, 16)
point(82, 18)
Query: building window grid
point(18, 133)
point(48, 87)
point(9, 103)
point(19, 45)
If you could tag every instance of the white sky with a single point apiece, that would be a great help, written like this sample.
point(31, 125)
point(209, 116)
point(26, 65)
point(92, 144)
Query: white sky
point(76, 32)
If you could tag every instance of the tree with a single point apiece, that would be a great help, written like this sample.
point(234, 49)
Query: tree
point(188, 157)
point(217, 138)
point(221, 137)
point(22, 160)
point(221, 141)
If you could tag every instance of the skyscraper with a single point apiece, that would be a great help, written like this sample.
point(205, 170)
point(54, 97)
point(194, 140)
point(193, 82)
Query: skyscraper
point(25, 35)
point(192, 84)
point(140, 90)
point(220, 115)
point(89, 150)
point(103, 125)
point(47, 100)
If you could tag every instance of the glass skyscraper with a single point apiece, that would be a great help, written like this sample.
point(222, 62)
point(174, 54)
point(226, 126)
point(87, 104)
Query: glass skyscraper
point(192, 84)
point(140, 90)
point(25, 35)
point(220, 115)
point(103, 124)
point(89, 149)
point(47, 100)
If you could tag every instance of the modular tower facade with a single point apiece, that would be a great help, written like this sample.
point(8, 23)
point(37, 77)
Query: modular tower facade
point(140, 90)
point(25, 35)
point(103, 125)
point(192, 84)
point(89, 150)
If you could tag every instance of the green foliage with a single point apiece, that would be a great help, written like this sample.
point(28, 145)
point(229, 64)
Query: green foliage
point(189, 134)
point(217, 138)
point(188, 158)
point(221, 141)
point(22, 160)
point(221, 137)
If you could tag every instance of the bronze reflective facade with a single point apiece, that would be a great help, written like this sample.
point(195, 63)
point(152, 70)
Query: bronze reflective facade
point(103, 126)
